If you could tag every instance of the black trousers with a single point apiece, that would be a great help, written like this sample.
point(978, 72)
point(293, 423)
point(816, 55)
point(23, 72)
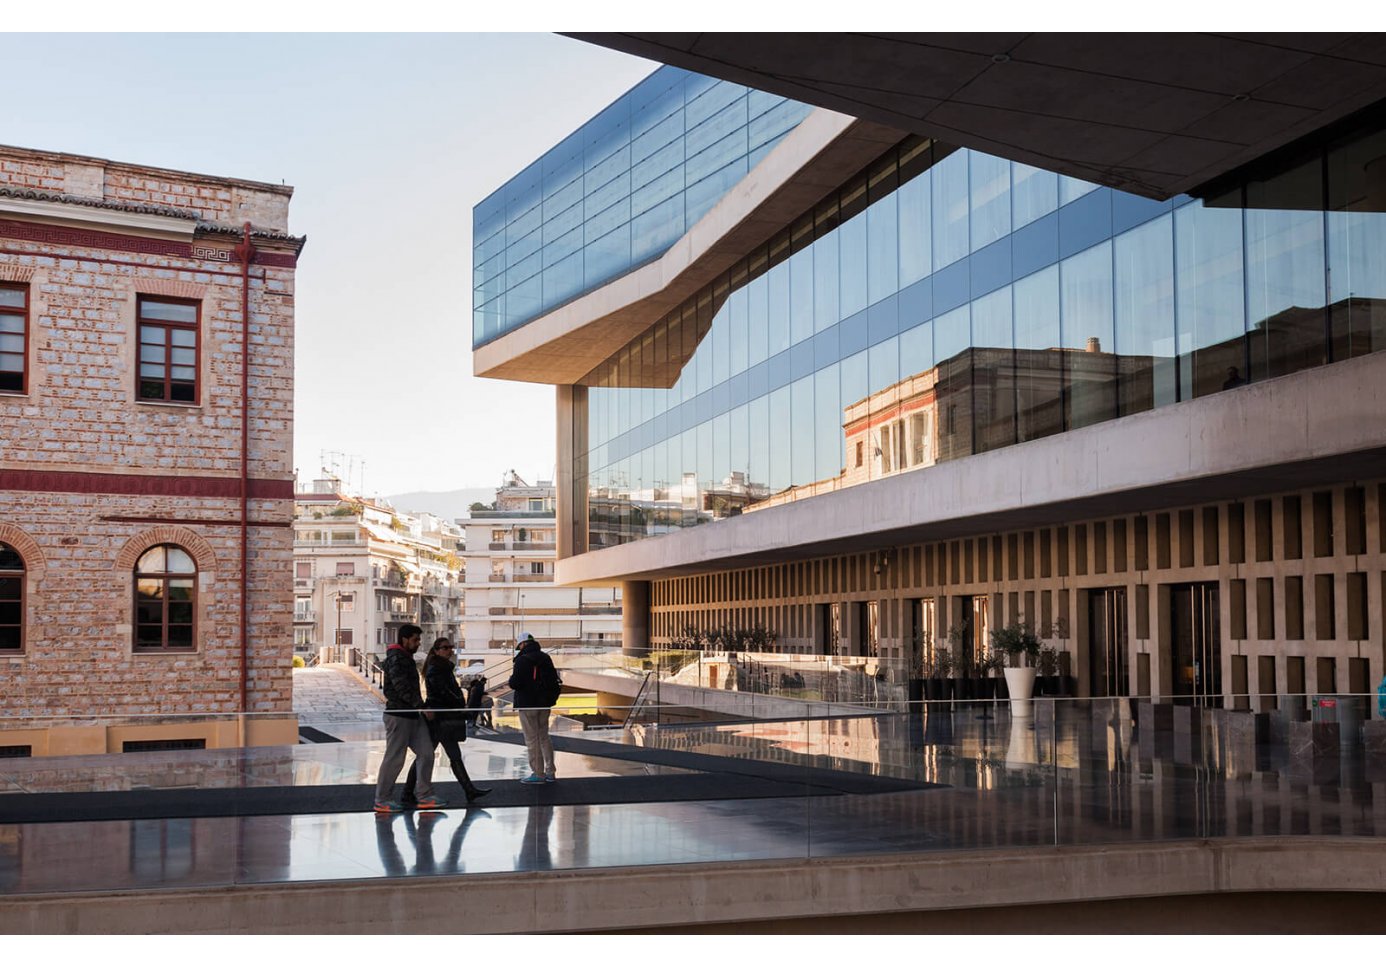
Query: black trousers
point(459, 770)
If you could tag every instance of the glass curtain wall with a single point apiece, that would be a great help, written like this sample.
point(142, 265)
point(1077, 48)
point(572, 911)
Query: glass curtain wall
point(616, 193)
point(944, 303)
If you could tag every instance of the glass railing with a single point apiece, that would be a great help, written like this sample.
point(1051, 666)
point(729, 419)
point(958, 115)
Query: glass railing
point(688, 783)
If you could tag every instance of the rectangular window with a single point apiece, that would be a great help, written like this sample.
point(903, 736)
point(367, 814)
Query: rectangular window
point(536, 567)
point(303, 569)
point(168, 331)
point(344, 637)
point(346, 568)
point(14, 339)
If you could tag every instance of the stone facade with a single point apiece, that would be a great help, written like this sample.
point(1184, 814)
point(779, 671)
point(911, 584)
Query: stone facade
point(91, 476)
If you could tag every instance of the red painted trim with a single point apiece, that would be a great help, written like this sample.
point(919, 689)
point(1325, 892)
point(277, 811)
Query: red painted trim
point(205, 522)
point(246, 252)
point(103, 260)
point(95, 239)
point(81, 482)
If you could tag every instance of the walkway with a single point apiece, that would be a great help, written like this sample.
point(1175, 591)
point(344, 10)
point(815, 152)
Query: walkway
point(333, 699)
point(1047, 809)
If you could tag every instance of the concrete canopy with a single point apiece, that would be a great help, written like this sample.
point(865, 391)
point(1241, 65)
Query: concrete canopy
point(1153, 114)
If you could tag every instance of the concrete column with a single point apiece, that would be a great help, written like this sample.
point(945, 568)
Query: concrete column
point(571, 470)
point(635, 617)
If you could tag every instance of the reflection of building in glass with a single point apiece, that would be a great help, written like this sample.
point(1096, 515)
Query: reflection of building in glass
point(942, 383)
point(508, 562)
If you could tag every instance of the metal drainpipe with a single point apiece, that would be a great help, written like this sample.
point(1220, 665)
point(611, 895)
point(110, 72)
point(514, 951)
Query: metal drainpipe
point(246, 252)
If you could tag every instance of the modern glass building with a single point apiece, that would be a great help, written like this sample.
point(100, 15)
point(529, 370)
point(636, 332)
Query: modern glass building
point(616, 193)
point(951, 390)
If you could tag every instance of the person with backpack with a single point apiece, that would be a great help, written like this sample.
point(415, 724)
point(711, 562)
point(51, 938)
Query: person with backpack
point(537, 686)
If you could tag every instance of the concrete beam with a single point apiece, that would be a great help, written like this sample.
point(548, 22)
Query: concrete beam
point(675, 896)
point(1154, 114)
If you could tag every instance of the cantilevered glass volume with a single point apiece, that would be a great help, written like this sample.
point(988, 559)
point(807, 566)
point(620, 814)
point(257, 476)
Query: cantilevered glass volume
point(616, 193)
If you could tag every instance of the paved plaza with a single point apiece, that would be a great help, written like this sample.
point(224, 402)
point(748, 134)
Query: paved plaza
point(335, 700)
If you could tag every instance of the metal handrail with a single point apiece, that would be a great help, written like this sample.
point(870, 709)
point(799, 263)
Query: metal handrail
point(641, 698)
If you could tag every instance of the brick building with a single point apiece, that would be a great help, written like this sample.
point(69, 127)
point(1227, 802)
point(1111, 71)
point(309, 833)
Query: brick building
point(143, 456)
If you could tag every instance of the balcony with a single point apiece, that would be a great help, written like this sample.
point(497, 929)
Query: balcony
point(393, 616)
point(547, 578)
point(534, 546)
point(305, 616)
point(497, 546)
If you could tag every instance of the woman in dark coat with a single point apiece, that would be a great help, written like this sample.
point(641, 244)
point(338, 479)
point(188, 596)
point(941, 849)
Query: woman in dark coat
point(447, 728)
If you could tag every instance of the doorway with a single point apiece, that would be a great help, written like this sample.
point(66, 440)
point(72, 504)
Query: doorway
point(971, 637)
point(1108, 674)
point(1196, 644)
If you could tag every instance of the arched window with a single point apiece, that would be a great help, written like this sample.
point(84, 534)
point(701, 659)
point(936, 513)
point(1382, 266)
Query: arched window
point(165, 600)
point(11, 599)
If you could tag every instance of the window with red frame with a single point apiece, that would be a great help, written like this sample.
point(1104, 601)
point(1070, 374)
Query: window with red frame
point(168, 350)
point(165, 599)
point(11, 599)
point(14, 339)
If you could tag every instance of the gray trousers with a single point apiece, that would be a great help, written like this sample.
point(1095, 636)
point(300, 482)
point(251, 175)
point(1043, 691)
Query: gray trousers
point(535, 723)
point(405, 733)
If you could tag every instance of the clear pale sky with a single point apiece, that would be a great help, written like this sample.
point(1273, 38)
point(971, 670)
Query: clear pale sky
point(388, 140)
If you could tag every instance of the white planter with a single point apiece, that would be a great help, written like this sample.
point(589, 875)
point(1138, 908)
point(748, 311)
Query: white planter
point(1020, 683)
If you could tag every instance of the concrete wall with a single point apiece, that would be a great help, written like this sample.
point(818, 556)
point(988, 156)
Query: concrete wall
point(969, 886)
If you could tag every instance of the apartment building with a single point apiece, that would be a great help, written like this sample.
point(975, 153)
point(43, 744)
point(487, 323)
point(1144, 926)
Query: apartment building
point(146, 431)
point(509, 551)
point(362, 569)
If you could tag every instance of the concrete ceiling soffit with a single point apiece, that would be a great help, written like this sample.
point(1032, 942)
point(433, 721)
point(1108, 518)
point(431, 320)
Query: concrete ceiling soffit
point(1153, 114)
point(565, 345)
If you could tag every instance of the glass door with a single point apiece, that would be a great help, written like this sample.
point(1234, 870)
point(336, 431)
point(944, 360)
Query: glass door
point(1196, 642)
point(1107, 657)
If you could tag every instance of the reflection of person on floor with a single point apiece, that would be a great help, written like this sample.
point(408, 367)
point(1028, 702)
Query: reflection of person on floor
point(421, 837)
point(534, 849)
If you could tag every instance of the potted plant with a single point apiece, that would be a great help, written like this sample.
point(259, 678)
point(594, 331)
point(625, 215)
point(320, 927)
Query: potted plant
point(1050, 680)
point(1019, 644)
point(917, 672)
point(1053, 666)
point(963, 671)
point(940, 684)
point(995, 666)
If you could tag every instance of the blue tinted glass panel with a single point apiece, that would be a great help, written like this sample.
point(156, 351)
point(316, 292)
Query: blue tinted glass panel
point(1102, 306)
point(627, 163)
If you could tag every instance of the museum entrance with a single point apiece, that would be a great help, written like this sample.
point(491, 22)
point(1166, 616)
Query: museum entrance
point(1107, 655)
point(1196, 644)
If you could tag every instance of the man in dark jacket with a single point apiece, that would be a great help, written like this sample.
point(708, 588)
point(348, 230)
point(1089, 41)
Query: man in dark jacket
point(405, 725)
point(533, 680)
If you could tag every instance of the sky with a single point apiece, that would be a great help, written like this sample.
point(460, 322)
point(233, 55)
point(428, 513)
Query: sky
point(388, 140)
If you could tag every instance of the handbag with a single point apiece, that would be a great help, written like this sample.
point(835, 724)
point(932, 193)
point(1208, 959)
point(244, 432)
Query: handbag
point(450, 726)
